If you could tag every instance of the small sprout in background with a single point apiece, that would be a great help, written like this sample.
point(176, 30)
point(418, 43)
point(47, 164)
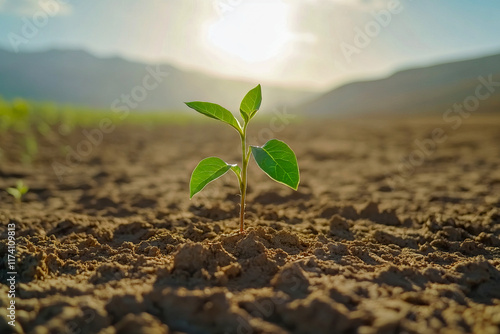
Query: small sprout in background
point(30, 150)
point(44, 129)
point(275, 157)
point(19, 191)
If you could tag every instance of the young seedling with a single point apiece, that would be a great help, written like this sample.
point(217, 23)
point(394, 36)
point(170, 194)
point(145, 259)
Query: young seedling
point(275, 157)
point(19, 191)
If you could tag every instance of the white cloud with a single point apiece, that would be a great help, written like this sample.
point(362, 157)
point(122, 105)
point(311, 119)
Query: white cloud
point(31, 7)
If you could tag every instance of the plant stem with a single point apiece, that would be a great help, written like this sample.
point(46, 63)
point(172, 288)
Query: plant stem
point(243, 181)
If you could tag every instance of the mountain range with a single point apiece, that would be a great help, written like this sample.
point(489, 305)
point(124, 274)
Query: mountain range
point(424, 90)
point(77, 77)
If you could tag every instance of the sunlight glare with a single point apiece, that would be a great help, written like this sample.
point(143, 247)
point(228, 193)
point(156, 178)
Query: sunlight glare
point(253, 32)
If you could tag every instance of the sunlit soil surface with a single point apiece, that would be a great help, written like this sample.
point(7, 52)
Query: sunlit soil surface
point(385, 234)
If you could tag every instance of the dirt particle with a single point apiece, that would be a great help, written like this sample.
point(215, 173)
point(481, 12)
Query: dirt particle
point(292, 280)
point(109, 272)
point(193, 257)
point(153, 251)
point(232, 270)
point(488, 239)
point(316, 314)
point(190, 258)
point(337, 223)
point(338, 248)
point(249, 247)
point(121, 305)
point(142, 323)
point(370, 210)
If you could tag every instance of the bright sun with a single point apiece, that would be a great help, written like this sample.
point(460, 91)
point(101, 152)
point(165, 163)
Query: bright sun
point(251, 31)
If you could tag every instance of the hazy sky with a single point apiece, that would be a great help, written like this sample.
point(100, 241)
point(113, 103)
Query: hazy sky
point(317, 43)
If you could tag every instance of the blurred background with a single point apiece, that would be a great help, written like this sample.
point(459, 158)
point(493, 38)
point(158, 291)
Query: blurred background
point(328, 57)
point(65, 63)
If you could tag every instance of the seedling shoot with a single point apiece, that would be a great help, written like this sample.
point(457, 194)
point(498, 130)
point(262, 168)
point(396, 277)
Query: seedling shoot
point(19, 191)
point(275, 157)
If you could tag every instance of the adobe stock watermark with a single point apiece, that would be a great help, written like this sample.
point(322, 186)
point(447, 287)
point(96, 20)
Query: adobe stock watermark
point(363, 36)
point(11, 272)
point(32, 25)
point(453, 118)
point(279, 120)
point(225, 6)
point(121, 108)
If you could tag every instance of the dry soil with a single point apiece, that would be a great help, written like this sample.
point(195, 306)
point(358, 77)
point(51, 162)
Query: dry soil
point(369, 243)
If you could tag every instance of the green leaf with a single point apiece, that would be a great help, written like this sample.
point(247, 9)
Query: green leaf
point(21, 187)
point(207, 170)
point(14, 193)
point(213, 110)
point(23, 190)
point(278, 161)
point(251, 103)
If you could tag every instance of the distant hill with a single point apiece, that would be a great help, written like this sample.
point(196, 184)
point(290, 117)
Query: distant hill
point(77, 77)
point(429, 89)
